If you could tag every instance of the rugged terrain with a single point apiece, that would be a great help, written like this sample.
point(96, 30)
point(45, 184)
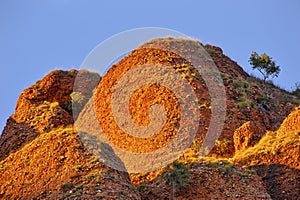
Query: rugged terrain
point(256, 157)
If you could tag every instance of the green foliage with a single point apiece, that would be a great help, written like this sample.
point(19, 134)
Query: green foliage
point(99, 196)
point(65, 195)
point(121, 195)
point(241, 174)
point(67, 105)
point(222, 166)
point(243, 88)
point(264, 64)
point(212, 49)
point(214, 164)
point(251, 171)
point(141, 187)
point(243, 102)
point(246, 174)
point(66, 186)
point(262, 99)
point(195, 164)
point(80, 187)
point(296, 91)
point(97, 188)
point(226, 169)
point(76, 190)
point(177, 173)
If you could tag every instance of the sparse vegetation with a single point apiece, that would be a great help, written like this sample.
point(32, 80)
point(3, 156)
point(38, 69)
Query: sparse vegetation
point(223, 166)
point(296, 90)
point(222, 146)
point(243, 89)
point(241, 174)
point(141, 186)
point(196, 145)
point(226, 169)
point(212, 49)
point(194, 164)
point(177, 175)
point(66, 186)
point(262, 99)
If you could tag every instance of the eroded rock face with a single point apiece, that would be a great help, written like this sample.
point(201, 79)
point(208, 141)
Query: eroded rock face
point(50, 94)
point(247, 135)
point(248, 98)
point(56, 165)
point(55, 159)
point(45, 105)
point(291, 123)
point(40, 108)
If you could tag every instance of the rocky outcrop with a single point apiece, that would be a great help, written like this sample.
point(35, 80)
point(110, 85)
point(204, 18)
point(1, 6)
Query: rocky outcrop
point(291, 123)
point(56, 165)
point(45, 105)
point(247, 135)
point(40, 108)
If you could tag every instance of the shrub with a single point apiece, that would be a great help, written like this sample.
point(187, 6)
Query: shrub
point(176, 175)
point(66, 186)
point(141, 187)
point(262, 99)
point(226, 169)
point(244, 90)
point(296, 91)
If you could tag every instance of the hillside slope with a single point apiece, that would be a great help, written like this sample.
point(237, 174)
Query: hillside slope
point(56, 165)
point(42, 155)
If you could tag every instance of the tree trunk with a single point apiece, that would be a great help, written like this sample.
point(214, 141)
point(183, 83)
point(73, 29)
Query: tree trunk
point(265, 79)
point(173, 190)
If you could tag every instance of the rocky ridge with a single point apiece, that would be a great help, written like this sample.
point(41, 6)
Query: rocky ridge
point(39, 144)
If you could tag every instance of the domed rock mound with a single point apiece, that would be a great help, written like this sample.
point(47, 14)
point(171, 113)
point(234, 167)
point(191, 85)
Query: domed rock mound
point(147, 95)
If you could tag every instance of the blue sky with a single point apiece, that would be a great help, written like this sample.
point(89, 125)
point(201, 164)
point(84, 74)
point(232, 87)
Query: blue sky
point(37, 37)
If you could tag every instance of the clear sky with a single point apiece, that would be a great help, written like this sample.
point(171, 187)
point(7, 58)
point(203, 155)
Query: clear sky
point(37, 36)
